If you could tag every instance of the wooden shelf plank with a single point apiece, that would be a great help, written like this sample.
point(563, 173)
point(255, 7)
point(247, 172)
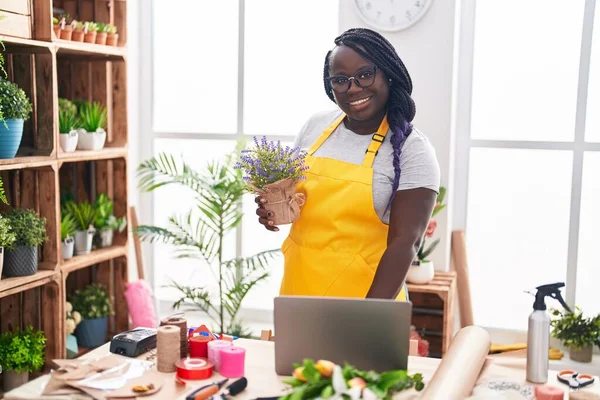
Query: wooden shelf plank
point(88, 50)
point(26, 162)
point(16, 44)
point(95, 257)
point(87, 155)
point(18, 284)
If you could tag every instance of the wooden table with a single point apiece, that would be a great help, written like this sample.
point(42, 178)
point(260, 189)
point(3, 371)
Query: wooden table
point(263, 382)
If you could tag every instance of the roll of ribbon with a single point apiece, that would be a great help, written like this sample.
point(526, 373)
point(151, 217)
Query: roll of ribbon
point(182, 324)
point(199, 346)
point(546, 392)
point(194, 368)
point(167, 347)
point(214, 354)
point(232, 361)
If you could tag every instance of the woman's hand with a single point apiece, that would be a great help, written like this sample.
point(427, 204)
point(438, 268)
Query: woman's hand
point(265, 217)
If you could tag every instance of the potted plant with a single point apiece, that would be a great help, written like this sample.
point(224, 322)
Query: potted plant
point(94, 306)
point(16, 108)
point(56, 27)
point(66, 30)
point(78, 31)
point(106, 223)
point(21, 258)
point(112, 37)
point(68, 227)
point(84, 215)
point(421, 270)
point(102, 34)
point(21, 352)
point(93, 121)
point(73, 318)
point(7, 238)
point(90, 35)
point(577, 333)
point(67, 125)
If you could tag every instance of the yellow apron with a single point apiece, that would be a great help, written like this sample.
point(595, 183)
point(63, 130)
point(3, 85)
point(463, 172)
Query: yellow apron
point(335, 246)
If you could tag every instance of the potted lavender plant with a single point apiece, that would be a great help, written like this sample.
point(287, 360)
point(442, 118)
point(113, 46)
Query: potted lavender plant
point(272, 171)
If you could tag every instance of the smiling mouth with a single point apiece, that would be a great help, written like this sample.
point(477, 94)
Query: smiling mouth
point(359, 102)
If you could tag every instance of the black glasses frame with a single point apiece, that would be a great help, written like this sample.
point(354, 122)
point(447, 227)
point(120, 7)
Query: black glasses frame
point(352, 78)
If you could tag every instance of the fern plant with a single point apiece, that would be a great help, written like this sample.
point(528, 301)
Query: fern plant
point(200, 233)
point(83, 213)
point(93, 116)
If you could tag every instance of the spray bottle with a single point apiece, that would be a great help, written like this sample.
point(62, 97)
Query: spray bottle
point(538, 333)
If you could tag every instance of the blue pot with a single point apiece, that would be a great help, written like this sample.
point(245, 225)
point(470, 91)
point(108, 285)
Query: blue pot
point(10, 139)
point(92, 333)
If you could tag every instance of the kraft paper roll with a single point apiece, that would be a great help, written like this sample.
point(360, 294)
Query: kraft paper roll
point(459, 369)
point(183, 339)
point(167, 348)
point(214, 354)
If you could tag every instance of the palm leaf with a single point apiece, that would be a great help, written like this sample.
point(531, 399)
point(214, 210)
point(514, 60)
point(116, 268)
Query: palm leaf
point(164, 170)
point(253, 263)
point(193, 299)
point(234, 295)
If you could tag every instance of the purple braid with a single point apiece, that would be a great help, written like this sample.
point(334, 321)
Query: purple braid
point(400, 106)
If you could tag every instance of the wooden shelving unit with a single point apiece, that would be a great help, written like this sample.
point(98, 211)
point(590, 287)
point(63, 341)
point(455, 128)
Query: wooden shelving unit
point(47, 69)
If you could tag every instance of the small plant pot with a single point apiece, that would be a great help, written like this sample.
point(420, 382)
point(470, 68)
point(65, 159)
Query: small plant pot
point(112, 39)
point(91, 333)
point(420, 272)
point(90, 37)
point(91, 140)
point(68, 141)
point(78, 35)
point(106, 238)
point(67, 248)
point(101, 37)
point(13, 379)
point(22, 261)
point(83, 242)
point(66, 33)
point(583, 355)
point(10, 138)
point(1, 260)
point(72, 347)
point(56, 29)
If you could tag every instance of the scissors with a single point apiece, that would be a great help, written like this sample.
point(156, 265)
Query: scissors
point(574, 379)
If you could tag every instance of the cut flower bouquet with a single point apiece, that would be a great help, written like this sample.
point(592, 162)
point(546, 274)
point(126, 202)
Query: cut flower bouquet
point(272, 171)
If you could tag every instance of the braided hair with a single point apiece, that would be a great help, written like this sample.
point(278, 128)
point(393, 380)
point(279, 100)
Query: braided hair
point(400, 105)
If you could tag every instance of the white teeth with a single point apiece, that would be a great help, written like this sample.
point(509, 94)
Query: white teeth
point(354, 103)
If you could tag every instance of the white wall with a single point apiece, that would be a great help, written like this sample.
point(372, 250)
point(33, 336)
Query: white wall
point(427, 49)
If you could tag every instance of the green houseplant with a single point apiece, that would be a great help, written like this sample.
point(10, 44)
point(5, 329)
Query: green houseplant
point(106, 223)
point(68, 227)
point(21, 258)
point(578, 333)
point(94, 307)
point(68, 123)
point(7, 238)
point(21, 352)
point(93, 124)
point(200, 233)
point(112, 37)
point(84, 215)
point(16, 109)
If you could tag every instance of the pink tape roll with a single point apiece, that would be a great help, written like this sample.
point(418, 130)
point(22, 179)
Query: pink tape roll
point(232, 361)
point(546, 392)
point(214, 354)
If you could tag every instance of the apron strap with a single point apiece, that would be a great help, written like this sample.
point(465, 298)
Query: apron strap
point(376, 142)
point(325, 135)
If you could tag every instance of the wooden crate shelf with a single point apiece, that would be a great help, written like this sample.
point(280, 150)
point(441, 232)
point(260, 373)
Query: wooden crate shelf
point(95, 257)
point(89, 51)
point(84, 155)
point(9, 286)
point(8, 164)
point(433, 311)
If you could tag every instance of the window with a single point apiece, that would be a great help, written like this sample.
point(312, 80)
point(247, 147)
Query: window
point(231, 70)
point(529, 179)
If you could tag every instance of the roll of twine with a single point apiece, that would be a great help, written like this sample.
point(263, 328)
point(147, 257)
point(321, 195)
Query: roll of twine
point(182, 324)
point(167, 348)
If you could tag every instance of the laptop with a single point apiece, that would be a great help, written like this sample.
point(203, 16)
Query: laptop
point(371, 334)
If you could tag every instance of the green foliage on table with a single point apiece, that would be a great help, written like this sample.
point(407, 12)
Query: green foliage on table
point(22, 350)
point(104, 215)
point(92, 302)
point(84, 214)
point(14, 103)
point(573, 329)
point(28, 227)
point(68, 226)
point(92, 116)
point(7, 236)
point(200, 234)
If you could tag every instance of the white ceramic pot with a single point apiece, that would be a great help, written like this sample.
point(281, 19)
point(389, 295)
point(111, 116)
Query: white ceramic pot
point(68, 141)
point(91, 140)
point(83, 241)
point(106, 237)
point(420, 272)
point(68, 245)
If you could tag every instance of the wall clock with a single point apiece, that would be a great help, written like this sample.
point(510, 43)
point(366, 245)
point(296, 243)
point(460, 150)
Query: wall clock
point(392, 15)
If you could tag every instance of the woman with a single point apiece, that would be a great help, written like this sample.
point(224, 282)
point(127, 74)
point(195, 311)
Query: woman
point(372, 180)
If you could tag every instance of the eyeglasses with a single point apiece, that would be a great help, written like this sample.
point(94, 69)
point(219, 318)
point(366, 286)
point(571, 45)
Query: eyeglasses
point(363, 78)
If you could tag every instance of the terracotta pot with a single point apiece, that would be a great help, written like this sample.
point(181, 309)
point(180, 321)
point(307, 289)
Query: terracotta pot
point(112, 39)
point(77, 35)
point(56, 30)
point(65, 34)
point(101, 37)
point(581, 355)
point(90, 37)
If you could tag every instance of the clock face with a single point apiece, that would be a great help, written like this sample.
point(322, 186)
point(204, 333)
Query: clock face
point(392, 15)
